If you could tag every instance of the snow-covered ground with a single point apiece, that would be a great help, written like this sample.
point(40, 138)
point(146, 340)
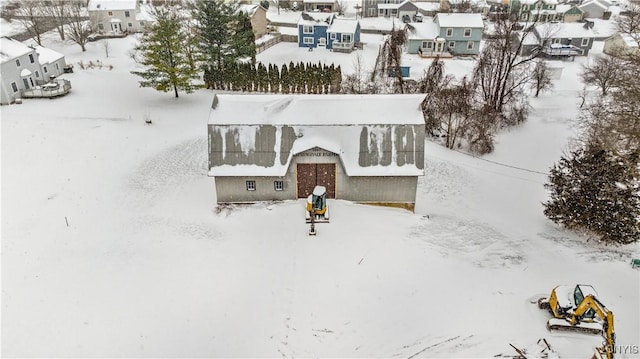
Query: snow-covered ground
point(112, 245)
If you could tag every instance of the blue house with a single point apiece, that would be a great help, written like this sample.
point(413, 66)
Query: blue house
point(461, 32)
point(327, 31)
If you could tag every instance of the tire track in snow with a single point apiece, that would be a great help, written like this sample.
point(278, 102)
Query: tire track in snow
point(486, 247)
point(163, 175)
point(170, 169)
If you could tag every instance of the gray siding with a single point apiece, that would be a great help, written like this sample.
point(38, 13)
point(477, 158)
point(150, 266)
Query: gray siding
point(234, 189)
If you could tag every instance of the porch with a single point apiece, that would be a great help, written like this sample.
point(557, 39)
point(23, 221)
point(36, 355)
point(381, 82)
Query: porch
point(345, 47)
point(429, 54)
point(55, 88)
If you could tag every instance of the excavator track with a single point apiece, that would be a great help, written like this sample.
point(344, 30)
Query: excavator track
point(563, 325)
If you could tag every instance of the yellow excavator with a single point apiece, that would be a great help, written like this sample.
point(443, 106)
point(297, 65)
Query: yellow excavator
point(578, 308)
point(317, 209)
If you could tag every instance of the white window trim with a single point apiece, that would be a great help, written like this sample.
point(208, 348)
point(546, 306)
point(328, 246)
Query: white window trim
point(584, 42)
point(470, 45)
point(18, 64)
point(305, 29)
point(449, 32)
point(14, 87)
point(332, 36)
point(465, 32)
point(278, 185)
point(251, 185)
point(451, 44)
point(307, 40)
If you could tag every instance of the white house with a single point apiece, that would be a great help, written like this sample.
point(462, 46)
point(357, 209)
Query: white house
point(117, 16)
point(24, 67)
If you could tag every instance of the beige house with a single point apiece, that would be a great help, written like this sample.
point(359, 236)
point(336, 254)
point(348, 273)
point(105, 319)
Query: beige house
point(258, 16)
point(622, 45)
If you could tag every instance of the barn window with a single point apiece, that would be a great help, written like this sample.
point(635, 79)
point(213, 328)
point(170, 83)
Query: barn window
point(278, 185)
point(14, 87)
point(251, 185)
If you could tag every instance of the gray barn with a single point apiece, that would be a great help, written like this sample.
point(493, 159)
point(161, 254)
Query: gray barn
point(362, 148)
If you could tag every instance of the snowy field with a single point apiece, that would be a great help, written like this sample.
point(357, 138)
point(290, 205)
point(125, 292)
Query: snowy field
point(112, 245)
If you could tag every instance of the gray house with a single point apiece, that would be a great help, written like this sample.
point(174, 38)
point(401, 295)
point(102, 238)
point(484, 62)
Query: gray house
point(362, 148)
point(461, 32)
point(25, 67)
point(560, 39)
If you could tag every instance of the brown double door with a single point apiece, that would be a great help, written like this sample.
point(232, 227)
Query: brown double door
point(316, 174)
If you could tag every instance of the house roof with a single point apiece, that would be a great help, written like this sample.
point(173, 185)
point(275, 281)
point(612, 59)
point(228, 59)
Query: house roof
point(343, 26)
point(593, 3)
point(564, 30)
point(459, 20)
point(427, 29)
point(628, 39)
point(11, 49)
point(97, 5)
point(248, 9)
point(47, 56)
point(562, 8)
point(324, 110)
point(530, 2)
point(428, 6)
point(316, 18)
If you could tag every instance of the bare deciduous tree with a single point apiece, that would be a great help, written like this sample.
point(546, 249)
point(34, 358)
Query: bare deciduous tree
point(603, 73)
point(541, 77)
point(392, 56)
point(501, 72)
point(30, 13)
point(79, 28)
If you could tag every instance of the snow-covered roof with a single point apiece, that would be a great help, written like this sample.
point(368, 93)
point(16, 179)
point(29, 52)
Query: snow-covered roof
point(595, 3)
point(564, 30)
point(423, 30)
point(459, 20)
point(428, 6)
point(248, 9)
point(345, 143)
point(531, 2)
point(11, 49)
point(324, 121)
point(316, 18)
point(630, 40)
point(111, 5)
point(46, 55)
point(343, 26)
point(562, 8)
point(318, 1)
point(324, 110)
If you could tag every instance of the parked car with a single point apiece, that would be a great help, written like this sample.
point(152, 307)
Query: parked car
point(417, 17)
point(406, 18)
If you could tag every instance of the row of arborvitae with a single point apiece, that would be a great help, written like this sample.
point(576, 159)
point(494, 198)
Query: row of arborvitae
point(293, 78)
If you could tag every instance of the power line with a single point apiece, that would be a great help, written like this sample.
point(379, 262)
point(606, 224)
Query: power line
point(503, 164)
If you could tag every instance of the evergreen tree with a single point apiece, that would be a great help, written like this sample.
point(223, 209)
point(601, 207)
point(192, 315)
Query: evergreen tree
point(597, 191)
point(163, 50)
point(243, 40)
point(214, 33)
point(285, 78)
